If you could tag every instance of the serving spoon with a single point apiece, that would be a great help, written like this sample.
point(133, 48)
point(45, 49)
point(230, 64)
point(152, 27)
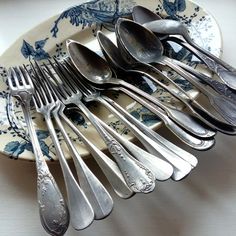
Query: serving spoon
point(96, 70)
point(112, 54)
point(148, 49)
point(171, 27)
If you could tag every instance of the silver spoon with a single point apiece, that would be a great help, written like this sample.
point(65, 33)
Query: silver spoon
point(143, 15)
point(96, 70)
point(112, 54)
point(148, 49)
point(173, 27)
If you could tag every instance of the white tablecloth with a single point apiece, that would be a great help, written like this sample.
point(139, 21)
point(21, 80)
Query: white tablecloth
point(203, 204)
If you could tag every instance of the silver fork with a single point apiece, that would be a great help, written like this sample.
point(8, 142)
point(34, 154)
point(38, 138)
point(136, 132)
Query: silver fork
point(81, 211)
point(52, 207)
point(138, 177)
point(98, 196)
point(107, 165)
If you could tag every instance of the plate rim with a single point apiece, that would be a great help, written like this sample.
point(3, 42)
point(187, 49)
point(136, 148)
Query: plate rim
point(44, 22)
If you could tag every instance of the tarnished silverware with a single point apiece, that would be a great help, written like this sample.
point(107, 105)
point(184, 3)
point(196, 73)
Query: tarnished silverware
point(96, 193)
point(138, 177)
point(53, 210)
point(81, 211)
point(96, 71)
point(181, 169)
point(122, 68)
point(149, 49)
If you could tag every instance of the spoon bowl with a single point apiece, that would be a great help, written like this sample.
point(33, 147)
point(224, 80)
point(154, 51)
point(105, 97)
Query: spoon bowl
point(147, 48)
point(111, 53)
point(97, 71)
point(143, 15)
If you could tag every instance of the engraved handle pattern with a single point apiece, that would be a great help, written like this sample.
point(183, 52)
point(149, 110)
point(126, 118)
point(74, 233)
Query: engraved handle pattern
point(219, 87)
point(138, 177)
point(228, 76)
point(108, 166)
point(210, 55)
point(53, 210)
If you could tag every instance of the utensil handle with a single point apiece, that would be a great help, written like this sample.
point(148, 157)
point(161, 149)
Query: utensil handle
point(161, 169)
point(225, 107)
point(52, 207)
point(98, 196)
point(148, 143)
point(81, 212)
point(161, 144)
point(219, 87)
point(180, 166)
point(108, 166)
point(210, 55)
point(178, 131)
point(185, 120)
point(138, 177)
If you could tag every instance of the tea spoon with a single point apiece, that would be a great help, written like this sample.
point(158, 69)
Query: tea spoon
point(112, 54)
point(95, 70)
point(167, 26)
point(148, 49)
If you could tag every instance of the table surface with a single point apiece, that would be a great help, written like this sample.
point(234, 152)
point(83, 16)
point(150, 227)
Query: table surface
point(203, 204)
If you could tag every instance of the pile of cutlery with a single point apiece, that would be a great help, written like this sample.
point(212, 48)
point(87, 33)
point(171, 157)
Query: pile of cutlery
point(60, 87)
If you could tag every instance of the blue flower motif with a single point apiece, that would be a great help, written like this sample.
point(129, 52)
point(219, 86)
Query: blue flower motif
point(15, 148)
point(37, 53)
point(172, 8)
point(103, 13)
point(144, 115)
point(76, 118)
point(184, 84)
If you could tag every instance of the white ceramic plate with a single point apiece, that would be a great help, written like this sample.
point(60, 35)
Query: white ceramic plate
point(81, 23)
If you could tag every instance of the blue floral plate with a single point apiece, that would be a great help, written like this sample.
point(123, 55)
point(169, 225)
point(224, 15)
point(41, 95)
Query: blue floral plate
point(81, 23)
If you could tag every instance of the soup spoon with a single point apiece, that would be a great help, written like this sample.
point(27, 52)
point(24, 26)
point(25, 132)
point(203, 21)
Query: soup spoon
point(96, 70)
point(166, 26)
point(148, 49)
point(112, 54)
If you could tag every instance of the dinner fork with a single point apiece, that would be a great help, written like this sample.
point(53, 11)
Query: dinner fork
point(52, 207)
point(138, 177)
point(81, 211)
point(98, 196)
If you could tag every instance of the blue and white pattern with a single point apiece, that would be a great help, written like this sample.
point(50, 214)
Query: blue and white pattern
point(85, 20)
point(37, 52)
point(102, 13)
